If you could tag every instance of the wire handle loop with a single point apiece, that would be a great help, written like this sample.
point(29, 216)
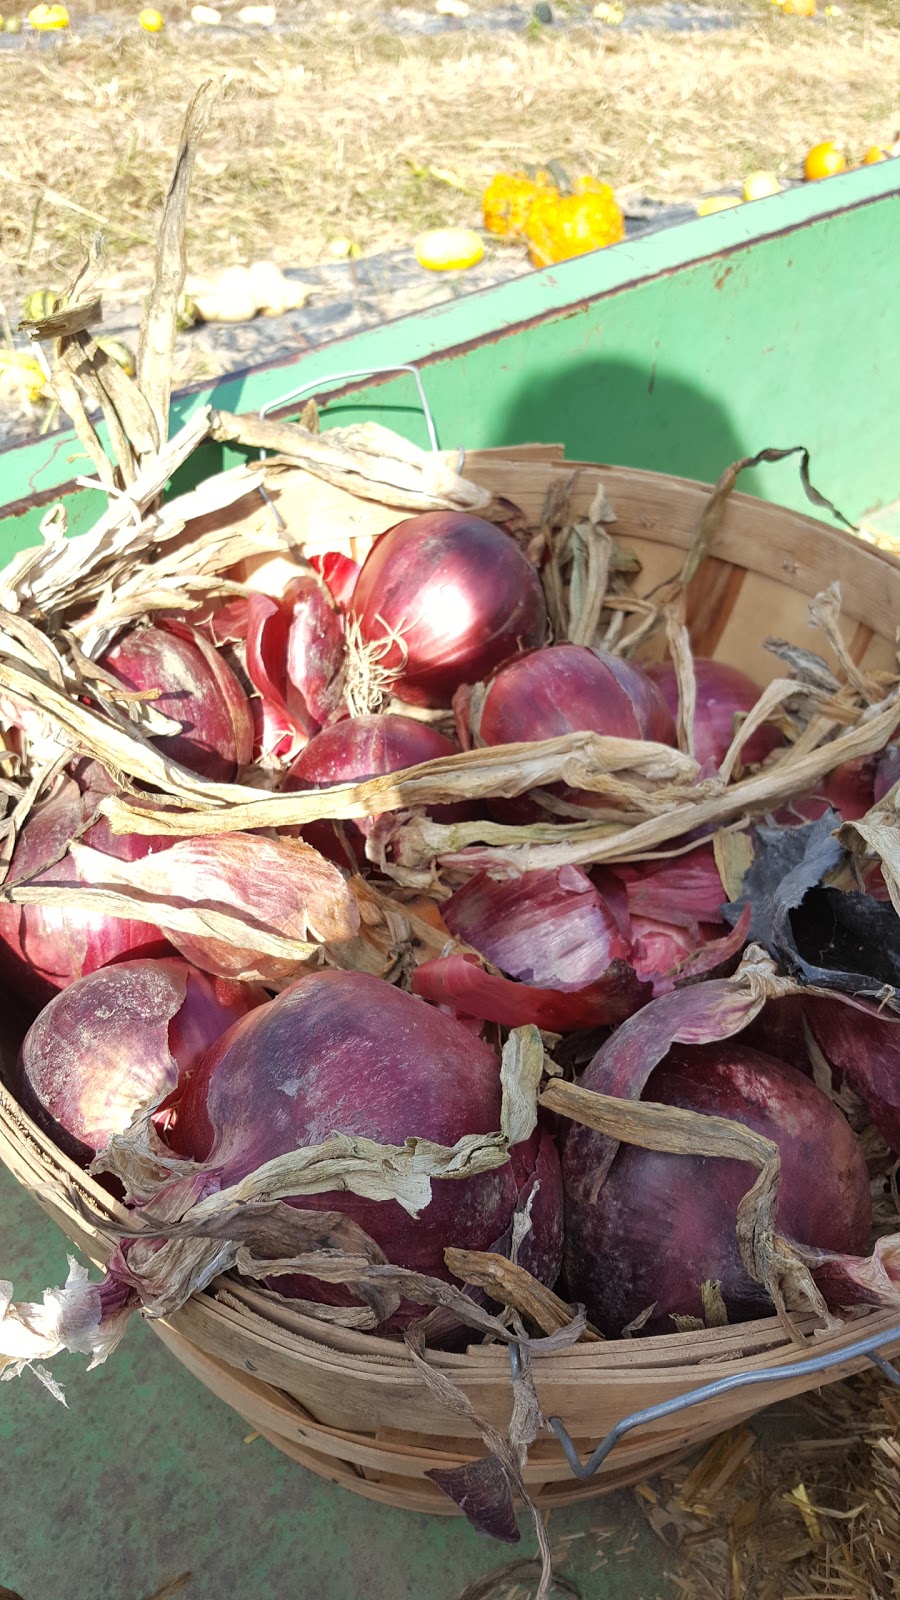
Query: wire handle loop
point(346, 377)
point(869, 1348)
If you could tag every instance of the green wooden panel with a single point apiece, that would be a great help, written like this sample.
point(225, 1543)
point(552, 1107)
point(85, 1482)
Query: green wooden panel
point(678, 352)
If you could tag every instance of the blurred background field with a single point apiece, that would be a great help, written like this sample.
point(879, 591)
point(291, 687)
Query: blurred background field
point(367, 124)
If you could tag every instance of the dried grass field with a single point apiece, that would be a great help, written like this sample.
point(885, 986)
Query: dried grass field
point(361, 125)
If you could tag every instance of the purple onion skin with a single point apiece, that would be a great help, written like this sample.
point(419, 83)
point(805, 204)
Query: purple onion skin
point(344, 1052)
point(44, 948)
point(723, 693)
point(359, 748)
point(549, 929)
point(119, 1040)
point(662, 1225)
point(567, 688)
point(198, 689)
point(461, 594)
point(851, 790)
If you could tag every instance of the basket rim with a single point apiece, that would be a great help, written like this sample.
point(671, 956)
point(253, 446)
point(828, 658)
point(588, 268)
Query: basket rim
point(737, 498)
point(703, 1355)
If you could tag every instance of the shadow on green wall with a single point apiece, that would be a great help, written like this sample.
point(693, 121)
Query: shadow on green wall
point(611, 411)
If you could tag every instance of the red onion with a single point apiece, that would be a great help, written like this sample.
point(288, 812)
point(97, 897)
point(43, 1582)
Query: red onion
point(117, 1042)
point(724, 695)
point(197, 688)
point(344, 1052)
point(568, 688)
point(44, 948)
point(457, 592)
point(271, 886)
point(779, 1031)
point(660, 1226)
point(366, 747)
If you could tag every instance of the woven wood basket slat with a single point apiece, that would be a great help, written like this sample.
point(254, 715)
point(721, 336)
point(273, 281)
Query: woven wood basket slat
point(351, 1406)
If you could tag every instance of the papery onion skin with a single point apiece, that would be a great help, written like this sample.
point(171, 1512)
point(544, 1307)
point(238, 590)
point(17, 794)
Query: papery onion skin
point(682, 890)
point(344, 1052)
point(295, 661)
point(279, 886)
point(551, 929)
point(117, 1042)
point(315, 651)
point(460, 983)
point(359, 748)
point(724, 694)
point(851, 789)
point(44, 948)
point(460, 594)
point(338, 573)
point(661, 1225)
point(196, 688)
point(674, 905)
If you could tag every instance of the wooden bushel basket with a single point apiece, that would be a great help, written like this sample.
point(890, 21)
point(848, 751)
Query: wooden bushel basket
point(351, 1406)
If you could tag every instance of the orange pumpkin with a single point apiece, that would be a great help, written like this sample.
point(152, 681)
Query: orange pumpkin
point(560, 227)
point(507, 201)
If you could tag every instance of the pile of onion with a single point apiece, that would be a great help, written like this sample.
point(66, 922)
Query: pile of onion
point(252, 1042)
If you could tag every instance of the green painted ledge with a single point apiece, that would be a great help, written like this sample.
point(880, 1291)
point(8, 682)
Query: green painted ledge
point(775, 323)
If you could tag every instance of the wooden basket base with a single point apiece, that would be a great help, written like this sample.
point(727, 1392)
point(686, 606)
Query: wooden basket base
point(391, 1469)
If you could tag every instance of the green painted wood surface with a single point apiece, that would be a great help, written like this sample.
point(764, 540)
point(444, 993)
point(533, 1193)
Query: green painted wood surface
point(148, 1475)
point(775, 323)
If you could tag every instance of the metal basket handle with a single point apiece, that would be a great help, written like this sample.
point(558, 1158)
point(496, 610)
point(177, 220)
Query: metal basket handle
point(346, 377)
point(869, 1347)
point(342, 377)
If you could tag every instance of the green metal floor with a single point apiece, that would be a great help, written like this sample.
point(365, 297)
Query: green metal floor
point(146, 1475)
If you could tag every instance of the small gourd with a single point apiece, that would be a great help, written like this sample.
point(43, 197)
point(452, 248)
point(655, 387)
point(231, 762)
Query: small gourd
point(562, 226)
